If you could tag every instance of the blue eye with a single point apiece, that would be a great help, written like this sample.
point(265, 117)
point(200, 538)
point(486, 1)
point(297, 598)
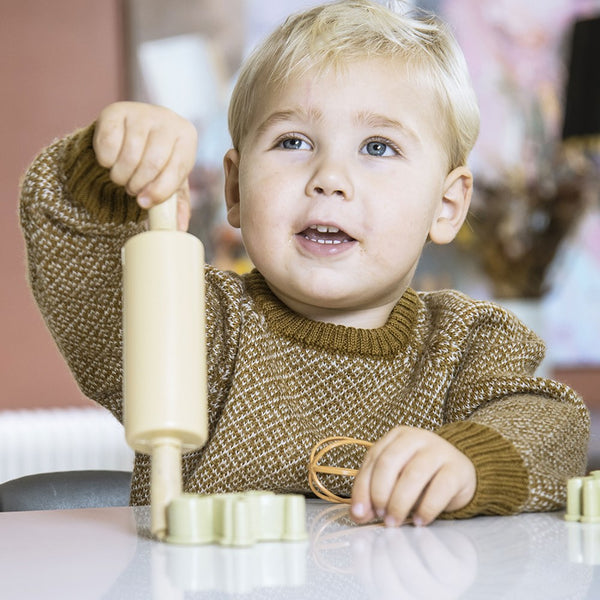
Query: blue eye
point(293, 144)
point(378, 148)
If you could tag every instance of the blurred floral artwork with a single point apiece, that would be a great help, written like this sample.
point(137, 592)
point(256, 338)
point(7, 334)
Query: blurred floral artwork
point(517, 227)
point(530, 189)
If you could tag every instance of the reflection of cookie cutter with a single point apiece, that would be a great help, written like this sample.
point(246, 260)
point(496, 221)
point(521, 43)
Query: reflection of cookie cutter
point(318, 452)
point(240, 519)
point(583, 498)
point(583, 543)
point(212, 568)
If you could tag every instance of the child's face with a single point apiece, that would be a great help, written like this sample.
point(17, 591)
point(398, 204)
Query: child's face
point(340, 181)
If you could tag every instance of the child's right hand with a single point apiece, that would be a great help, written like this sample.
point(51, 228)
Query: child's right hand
point(150, 150)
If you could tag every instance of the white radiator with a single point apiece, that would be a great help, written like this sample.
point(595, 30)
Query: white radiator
point(61, 439)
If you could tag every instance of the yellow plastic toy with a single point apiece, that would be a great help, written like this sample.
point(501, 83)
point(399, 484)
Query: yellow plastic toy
point(240, 519)
point(164, 352)
point(583, 498)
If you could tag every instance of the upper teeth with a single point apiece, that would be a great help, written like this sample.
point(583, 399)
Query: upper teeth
point(325, 228)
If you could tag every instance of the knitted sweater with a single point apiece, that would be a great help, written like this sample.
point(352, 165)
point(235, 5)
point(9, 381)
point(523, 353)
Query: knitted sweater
point(278, 383)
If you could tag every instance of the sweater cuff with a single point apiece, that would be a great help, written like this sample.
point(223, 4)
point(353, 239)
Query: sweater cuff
point(502, 479)
point(89, 183)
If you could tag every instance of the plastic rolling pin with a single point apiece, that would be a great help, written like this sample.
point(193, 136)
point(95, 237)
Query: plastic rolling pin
point(164, 352)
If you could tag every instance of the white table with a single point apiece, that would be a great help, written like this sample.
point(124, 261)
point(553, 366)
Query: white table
point(105, 553)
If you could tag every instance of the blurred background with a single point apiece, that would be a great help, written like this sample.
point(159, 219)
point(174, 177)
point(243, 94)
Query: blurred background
point(532, 241)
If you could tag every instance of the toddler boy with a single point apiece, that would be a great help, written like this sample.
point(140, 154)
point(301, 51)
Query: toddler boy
point(351, 127)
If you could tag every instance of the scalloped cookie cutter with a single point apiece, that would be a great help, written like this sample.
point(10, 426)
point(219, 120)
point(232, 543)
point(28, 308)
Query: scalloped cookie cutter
point(239, 519)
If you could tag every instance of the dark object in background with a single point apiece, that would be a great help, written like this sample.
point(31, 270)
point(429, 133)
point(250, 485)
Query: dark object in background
point(582, 101)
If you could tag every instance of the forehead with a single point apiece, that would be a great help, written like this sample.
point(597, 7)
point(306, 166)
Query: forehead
point(371, 90)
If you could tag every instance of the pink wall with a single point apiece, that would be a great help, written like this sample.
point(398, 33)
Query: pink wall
point(60, 63)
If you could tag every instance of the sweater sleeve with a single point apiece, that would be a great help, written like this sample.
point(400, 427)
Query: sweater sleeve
point(526, 435)
point(75, 222)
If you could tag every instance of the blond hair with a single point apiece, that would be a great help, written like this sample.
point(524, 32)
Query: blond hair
point(334, 34)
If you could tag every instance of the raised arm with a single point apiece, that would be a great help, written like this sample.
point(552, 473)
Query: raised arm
point(76, 215)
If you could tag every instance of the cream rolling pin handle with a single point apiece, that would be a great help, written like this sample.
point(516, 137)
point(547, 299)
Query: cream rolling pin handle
point(164, 353)
point(163, 216)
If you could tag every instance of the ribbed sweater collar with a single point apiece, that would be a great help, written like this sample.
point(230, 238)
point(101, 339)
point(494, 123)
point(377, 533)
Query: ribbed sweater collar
point(383, 341)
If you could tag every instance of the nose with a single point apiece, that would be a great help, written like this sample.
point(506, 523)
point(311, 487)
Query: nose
point(330, 178)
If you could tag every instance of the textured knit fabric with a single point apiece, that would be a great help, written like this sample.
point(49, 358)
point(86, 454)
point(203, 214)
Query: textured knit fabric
point(278, 383)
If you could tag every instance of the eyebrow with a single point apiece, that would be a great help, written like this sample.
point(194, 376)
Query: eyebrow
point(381, 121)
point(282, 116)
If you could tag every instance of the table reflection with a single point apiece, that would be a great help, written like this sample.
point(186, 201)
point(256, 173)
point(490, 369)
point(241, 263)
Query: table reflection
point(534, 556)
point(526, 556)
point(408, 562)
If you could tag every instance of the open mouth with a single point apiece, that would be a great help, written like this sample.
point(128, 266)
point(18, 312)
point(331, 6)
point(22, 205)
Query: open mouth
point(326, 234)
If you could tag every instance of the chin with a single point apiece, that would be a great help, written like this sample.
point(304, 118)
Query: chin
point(336, 303)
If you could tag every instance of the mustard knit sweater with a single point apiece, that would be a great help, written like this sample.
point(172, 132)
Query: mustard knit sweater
point(279, 383)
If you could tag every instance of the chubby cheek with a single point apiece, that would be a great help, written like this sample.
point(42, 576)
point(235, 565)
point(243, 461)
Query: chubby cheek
point(267, 201)
point(398, 234)
point(262, 227)
point(251, 202)
point(399, 219)
point(259, 215)
point(253, 226)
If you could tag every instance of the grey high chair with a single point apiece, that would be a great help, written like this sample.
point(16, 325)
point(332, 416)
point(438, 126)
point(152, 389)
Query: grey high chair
point(66, 489)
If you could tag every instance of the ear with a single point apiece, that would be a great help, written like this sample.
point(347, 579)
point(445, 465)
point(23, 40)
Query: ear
point(231, 164)
point(454, 206)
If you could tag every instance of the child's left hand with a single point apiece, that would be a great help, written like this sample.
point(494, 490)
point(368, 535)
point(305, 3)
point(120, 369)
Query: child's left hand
point(411, 472)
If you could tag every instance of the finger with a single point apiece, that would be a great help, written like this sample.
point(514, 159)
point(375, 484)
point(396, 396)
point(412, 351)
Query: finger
point(411, 484)
point(173, 175)
point(386, 488)
point(382, 463)
point(439, 493)
point(132, 151)
point(155, 157)
point(362, 509)
point(452, 488)
point(108, 138)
